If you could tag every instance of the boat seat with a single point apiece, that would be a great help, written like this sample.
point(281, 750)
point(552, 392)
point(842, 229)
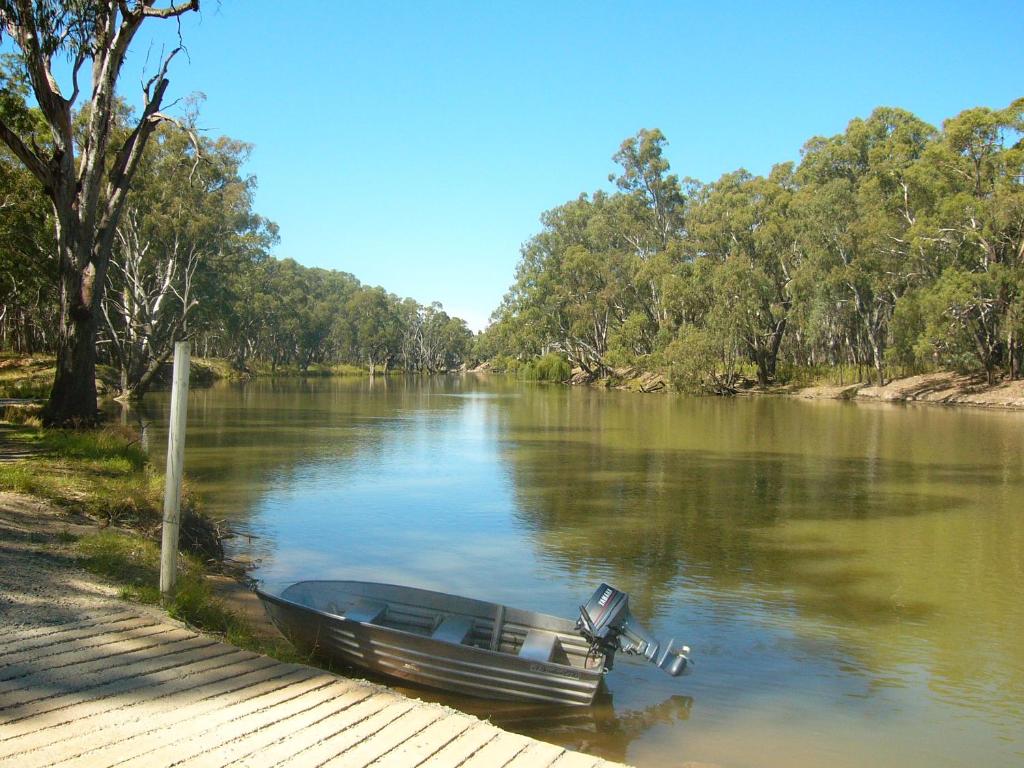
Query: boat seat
point(368, 611)
point(453, 629)
point(539, 645)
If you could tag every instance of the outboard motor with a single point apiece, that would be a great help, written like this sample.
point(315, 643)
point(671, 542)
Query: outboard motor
point(605, 621)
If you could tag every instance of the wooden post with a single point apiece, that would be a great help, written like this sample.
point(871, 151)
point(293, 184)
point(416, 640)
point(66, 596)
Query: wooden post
point(175, 464)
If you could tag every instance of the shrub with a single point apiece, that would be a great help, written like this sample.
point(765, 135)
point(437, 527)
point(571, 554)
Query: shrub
point(550, 367)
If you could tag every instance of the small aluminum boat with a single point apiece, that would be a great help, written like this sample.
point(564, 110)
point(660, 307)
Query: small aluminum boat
point(469, 646)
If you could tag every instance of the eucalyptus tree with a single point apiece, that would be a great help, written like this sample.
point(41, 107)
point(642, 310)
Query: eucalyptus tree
point(28, 294)
point(743, 226)
point(857, 205)
point(650, 216)
point(645, 177)
point(189, 215)
point(974, 233)
point(87, 179)
point(373, 315)
point(409, 320)
point(444, 341)
point(567, 286)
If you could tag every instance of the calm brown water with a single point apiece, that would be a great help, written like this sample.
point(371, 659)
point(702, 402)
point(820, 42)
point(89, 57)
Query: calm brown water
point(850, 577)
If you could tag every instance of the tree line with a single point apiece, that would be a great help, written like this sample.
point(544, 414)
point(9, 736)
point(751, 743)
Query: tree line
point(891, 246)
point(97, 275)
point(191, 261)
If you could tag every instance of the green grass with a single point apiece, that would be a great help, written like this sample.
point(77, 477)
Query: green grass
point(133, 563)
point(263, 368)
point(29, 377)
point(101, 473)
point(105, 475)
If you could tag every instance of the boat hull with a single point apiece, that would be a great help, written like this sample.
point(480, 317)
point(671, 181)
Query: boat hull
point(434, 663)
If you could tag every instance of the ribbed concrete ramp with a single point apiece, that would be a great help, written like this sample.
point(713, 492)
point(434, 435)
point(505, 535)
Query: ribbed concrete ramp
point(126, 689)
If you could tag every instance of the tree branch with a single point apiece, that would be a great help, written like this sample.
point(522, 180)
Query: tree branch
point(30, 158)
point(79, 61)
point(47, 93)
point(171, 11)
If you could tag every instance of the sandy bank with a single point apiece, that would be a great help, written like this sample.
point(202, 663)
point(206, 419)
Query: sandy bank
point(944, 388)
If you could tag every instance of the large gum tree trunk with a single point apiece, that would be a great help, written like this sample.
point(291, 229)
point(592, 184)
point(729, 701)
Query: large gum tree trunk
point(73, 397)
point(72, 400)
point(88, 190)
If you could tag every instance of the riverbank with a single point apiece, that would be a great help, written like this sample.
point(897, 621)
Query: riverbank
point(31, 376)
point(92, 501)
point(940, 388)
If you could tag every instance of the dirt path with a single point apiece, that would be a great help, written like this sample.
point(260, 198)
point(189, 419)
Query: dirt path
point(39, 581)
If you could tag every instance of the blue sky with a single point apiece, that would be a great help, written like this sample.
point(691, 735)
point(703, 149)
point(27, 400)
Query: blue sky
point(416, 145)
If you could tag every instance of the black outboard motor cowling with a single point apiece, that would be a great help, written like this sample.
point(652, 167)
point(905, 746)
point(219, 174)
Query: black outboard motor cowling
point(607, 624)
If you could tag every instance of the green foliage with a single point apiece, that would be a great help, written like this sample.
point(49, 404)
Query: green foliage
point(906, 329)
point(890, 247)
point(191, 260)
point(28, 279)
point(550, 367)
point(630, 341)
point(964, 317)
point(505, 364)
point(702, 361)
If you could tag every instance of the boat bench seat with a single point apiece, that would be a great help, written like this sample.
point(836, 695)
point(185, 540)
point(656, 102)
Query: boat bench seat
point(453, 629)
point(368, 611)
point(539, 645)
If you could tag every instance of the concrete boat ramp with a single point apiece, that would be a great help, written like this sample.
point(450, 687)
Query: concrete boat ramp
point(130, 688)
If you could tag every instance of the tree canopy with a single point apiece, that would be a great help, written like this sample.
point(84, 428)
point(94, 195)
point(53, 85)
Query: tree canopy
point(190, 259)
point(893, 245)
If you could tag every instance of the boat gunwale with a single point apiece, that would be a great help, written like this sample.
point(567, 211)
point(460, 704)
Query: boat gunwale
point(262, 594)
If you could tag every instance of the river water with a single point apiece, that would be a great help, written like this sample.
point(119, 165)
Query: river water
point(849, 576)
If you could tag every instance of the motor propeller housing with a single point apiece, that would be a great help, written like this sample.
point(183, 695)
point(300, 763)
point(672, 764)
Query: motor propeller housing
point(607, 624)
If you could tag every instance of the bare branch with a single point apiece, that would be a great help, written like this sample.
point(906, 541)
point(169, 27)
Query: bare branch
point(171, 11)
point(79, 61)
point(159, 77)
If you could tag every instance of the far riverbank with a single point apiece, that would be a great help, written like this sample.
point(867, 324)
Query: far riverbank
point(939, 388)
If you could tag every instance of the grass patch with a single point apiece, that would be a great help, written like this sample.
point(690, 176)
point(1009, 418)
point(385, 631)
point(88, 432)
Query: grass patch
point(30, 376)
point(101, 473)
point(213, 368)
point(128, 560)
point(262, 368)
point(347, 369)
point(133, 563)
